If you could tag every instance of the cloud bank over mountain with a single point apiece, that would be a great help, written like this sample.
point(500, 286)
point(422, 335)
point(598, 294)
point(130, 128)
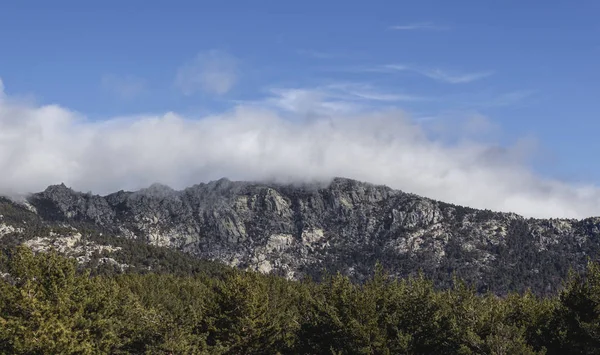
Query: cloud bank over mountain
point(42, 145)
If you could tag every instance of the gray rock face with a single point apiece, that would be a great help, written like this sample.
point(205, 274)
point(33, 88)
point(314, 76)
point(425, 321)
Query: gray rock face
point(346, 226)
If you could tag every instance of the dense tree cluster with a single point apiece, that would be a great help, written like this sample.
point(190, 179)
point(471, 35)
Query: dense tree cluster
point(47, 306)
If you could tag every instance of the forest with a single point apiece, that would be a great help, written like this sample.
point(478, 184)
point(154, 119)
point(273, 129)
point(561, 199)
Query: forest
point(49, 305)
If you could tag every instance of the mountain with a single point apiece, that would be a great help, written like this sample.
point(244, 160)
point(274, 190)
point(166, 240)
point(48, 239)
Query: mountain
point(299, 230)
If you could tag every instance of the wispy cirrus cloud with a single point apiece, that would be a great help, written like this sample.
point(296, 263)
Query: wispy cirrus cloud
point(441, 75)
point(418, 26)
point(213, 72)
point(309, 102)
point(336, 98)
point(455, 78)
point(509, 98)
point(369, 92)
point(487, 99)
point(125, 87)
point(446, 76)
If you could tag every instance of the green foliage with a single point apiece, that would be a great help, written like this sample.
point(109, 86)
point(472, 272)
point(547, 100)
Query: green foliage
point(48, 306)
point(254, 315)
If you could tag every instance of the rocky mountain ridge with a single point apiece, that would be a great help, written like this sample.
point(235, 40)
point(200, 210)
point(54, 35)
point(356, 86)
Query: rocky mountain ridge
point(346, 226)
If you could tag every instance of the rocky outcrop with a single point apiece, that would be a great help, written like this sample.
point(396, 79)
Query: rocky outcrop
point(75, 246)
point(346, 226)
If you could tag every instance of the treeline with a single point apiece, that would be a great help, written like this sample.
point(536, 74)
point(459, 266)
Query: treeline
point(47, 306)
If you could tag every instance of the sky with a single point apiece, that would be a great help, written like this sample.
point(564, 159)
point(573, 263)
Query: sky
point(490, 104)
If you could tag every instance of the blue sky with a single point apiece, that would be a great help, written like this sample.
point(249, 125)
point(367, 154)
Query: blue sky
point(526, 71)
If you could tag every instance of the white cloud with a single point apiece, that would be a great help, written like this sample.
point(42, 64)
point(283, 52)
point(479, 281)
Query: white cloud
point(418, 26)
point(462, 125)
point(125, 87)
point(42, 145)
point(213, 72)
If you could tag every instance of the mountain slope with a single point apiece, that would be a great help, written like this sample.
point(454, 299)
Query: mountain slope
point(346, 226)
